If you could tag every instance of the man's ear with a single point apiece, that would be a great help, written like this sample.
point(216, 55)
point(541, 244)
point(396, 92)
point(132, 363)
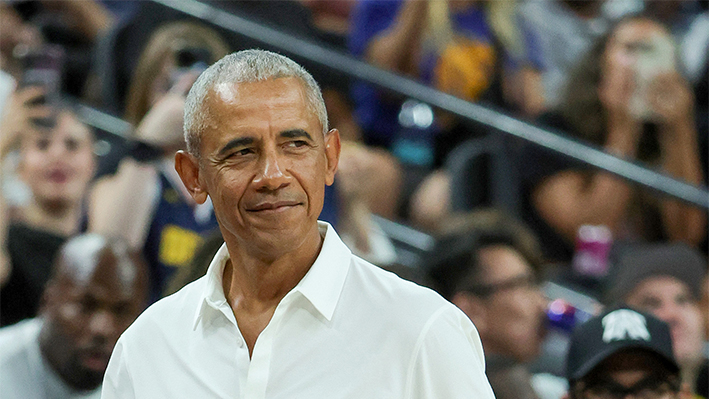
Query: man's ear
point(332, 152)
point(187, 166)
point(473, 307)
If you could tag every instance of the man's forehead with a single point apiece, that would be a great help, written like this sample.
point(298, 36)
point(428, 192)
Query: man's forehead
point(232, 92)
point(108, 279)
point(502, 259)
point(662, 284)
point(95, 259)
point(233, 106)
point(226, 92)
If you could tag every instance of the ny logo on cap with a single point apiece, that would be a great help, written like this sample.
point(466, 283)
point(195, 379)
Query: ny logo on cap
point(623, 322)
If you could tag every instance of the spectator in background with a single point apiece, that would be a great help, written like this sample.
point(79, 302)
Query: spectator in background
point(145, 202)
point(560, 32)
point(57, 164)
point(15, 33)
point(76, 26)
point(172, 46)
point(622, 352)
point(98, 288)
point(486, 264)
point(702, 386)
point(627, 97)
point(666, 280)
point(451, 45)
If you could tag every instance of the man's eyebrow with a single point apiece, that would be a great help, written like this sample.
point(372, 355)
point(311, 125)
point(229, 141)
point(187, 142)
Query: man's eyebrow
point(296, 133)
point(240, 142)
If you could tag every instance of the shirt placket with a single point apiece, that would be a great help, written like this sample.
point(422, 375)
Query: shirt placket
point(241, 354)
point(260, 366)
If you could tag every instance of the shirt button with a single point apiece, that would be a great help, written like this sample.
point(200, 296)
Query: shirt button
point(240, 342)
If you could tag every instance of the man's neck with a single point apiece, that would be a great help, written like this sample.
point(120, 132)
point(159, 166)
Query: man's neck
point(254, 286)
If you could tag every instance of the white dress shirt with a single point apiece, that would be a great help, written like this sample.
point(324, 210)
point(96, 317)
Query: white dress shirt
point(347, 330)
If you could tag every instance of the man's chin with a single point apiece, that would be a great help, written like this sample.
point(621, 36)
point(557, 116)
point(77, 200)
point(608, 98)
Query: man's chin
point(89, 380)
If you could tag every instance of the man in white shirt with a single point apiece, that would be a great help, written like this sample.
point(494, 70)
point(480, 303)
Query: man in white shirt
point(97, 290)
point(285, 310)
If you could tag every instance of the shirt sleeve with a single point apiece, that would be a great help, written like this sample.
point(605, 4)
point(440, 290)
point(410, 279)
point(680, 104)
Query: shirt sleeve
point(117, 382)
point(448, 361)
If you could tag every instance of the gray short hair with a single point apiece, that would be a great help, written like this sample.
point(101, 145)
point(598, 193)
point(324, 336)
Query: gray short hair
point(245, 66)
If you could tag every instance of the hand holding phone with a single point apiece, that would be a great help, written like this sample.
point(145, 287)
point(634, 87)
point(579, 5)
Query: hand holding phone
point(20, 113)
point(190, 63)
point(655, 57)
point(42, 68)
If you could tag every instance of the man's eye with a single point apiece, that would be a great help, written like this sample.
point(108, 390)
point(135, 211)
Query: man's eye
point(241, 152)
point(683, 299)
point(297, 143)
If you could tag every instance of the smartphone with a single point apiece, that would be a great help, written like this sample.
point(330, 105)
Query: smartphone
point(189, 60)
point(654, 57)
point(43, 67)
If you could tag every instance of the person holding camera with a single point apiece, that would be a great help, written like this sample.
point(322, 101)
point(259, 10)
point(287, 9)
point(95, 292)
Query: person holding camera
point(145, 202)
point(56, 163)
point(627, 97)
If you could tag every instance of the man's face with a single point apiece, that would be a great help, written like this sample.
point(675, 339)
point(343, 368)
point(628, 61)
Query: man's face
point(515, 312)
point(670, 300)
point(86, 312)
point(633, 372)
point(265, 163)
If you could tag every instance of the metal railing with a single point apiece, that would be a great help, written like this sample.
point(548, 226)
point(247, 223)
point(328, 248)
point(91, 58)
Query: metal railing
point(356, 68)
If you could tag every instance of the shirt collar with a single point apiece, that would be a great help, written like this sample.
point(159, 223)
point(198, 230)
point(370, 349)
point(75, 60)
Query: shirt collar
point(213, 292)
point(321, 285)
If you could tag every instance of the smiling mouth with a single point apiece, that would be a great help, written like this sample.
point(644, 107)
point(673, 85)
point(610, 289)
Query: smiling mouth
point(274, 206)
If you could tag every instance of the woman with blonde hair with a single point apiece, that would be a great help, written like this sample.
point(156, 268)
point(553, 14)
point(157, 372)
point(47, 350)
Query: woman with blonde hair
point(151, 77)
point(145, 201)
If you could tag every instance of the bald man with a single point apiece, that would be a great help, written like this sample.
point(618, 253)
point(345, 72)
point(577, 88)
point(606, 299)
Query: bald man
point(98, 288)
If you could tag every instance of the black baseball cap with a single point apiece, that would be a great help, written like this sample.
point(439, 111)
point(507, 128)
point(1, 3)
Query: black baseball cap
point(617, 329)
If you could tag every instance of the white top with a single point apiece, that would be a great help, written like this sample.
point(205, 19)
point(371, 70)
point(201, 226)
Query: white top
point(24, 373)
point(347, 330)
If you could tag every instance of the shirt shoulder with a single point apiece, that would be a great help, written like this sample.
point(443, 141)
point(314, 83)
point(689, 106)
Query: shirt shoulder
point(19, 363)
point(169, 315)
point(395, 298)
point(15, 339)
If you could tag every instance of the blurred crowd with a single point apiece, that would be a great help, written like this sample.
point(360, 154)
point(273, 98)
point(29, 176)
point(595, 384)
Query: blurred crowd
point(95, 223)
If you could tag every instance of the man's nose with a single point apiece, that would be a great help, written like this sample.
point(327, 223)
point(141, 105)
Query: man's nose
point(102, 323)
point(271, 174)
